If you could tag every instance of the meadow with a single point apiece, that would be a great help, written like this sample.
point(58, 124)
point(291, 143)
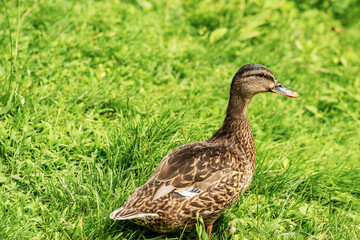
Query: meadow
point(94, 93)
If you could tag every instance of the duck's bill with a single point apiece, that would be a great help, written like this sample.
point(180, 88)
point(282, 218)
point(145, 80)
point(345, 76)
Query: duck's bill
point(281, 89)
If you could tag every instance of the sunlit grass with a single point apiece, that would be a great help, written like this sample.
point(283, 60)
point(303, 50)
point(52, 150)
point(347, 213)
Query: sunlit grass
point(101, 91)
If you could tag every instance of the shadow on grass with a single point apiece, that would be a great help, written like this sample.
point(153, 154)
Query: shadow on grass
point(121, 229)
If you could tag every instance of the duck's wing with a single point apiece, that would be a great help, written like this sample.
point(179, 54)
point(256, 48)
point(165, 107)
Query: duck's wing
point(190, 169)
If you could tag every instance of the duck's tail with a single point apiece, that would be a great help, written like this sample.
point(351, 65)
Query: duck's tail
point(123, 214)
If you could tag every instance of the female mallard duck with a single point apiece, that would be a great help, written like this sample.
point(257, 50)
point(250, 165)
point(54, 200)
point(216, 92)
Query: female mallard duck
point(206, 177)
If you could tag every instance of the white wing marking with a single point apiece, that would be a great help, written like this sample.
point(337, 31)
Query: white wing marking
point(189, 192)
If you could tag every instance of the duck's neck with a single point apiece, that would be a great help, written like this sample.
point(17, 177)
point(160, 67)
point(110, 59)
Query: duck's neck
point(236, 129)
point(237, 108)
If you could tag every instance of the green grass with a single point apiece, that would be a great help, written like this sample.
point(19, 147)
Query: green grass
point(100, 91)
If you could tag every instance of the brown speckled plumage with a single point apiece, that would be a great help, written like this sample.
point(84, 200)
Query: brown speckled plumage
point(204, 177)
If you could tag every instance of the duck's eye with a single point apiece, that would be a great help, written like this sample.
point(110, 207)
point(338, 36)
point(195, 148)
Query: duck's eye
point(261, 74)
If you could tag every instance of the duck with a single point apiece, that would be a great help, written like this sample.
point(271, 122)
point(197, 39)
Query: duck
point(204, 178)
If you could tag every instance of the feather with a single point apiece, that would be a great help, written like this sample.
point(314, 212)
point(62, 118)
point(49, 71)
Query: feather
point(162, 190)
point(121, 214)
point(189, 192)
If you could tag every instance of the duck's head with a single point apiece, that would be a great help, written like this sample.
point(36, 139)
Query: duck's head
point(252, 79)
